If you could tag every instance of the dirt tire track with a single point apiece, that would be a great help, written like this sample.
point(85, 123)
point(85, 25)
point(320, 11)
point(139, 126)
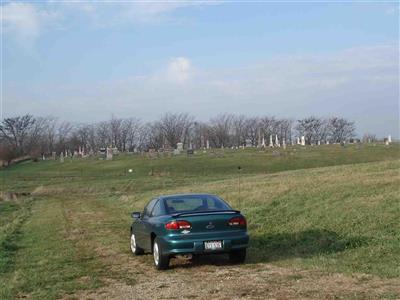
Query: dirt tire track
point(134, 277)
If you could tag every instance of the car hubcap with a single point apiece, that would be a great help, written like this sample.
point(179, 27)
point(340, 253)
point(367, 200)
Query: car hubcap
point(155, 253)
point(133, 243)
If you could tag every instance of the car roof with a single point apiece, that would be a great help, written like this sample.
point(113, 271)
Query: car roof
point(187, 194)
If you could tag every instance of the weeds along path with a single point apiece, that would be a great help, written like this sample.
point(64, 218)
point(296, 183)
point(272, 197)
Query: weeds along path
point(100, 231)
point(78, 247)
point(74, 242)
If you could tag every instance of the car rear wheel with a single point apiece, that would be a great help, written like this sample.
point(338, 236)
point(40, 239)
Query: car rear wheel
point(237, 256)
point(161, 261)
point(134, 247)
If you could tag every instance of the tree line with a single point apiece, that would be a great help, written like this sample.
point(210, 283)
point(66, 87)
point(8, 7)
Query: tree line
point(37, 136)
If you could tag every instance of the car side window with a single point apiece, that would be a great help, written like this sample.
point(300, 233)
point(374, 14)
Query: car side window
point(149, 208)
point(157, 210)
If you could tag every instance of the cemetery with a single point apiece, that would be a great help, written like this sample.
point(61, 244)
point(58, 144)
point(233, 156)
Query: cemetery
point(175, 149)
point(276, 183)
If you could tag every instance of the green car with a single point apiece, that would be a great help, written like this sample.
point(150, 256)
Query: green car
point(188, 224)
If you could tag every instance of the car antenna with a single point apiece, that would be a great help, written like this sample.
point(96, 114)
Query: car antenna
point(239, 169)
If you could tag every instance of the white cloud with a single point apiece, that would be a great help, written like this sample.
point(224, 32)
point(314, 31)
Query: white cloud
point(179, 70)
point(24, 21)
point(361, 84)
point(21, 19)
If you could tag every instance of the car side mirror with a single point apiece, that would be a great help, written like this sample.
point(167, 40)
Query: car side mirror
point(136, 215)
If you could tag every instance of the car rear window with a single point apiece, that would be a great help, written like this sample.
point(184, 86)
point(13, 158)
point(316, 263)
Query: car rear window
point(194, 203)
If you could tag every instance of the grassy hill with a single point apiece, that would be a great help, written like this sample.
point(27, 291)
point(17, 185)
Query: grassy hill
point(328, 208)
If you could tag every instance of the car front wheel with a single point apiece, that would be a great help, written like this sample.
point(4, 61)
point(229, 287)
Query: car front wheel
point(161, 261)
point(134, 247)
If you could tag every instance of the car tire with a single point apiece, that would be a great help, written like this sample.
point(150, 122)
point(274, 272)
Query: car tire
point(161, 261)
point(237, 256)
point(134, 247)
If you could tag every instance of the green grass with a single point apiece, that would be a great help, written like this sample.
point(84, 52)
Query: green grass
point(328, 208)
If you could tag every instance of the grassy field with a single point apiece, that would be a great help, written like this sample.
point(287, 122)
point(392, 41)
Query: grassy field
point(313, 213)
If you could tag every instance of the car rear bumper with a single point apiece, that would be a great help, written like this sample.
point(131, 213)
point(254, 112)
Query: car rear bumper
point(184, 245)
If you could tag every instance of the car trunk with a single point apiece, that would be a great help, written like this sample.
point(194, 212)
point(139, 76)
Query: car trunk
point(210, 222)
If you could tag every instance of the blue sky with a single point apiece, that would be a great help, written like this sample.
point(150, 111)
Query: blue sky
point(83, 61)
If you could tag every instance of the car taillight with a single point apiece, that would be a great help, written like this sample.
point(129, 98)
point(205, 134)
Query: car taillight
point(237, 221)
point(175, 225)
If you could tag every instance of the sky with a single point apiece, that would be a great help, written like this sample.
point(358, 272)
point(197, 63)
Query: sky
point(84, 61)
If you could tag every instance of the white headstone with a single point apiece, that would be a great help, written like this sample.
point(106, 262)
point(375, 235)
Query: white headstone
point(179, 146)
point(271, 144)
point(61, 157)
point(298, 141)
point(109, 153)
point(327, 142)
point(389, 138)
point(277, 141)
point(303, 140)
point(319, 143)
point(248, 143)
point(208, 144)
point(263, 142)
point(283, 144)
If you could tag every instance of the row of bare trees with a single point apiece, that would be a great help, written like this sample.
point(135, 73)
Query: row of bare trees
point(35, 136)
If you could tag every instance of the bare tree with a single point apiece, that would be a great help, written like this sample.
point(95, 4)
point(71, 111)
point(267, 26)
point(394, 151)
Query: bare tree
point(239, 124)
point(221, 130)
point(175, 127)
point(15, 131)
point(340, 129)
point(131, 133)
point(251, 129)
point(369, 138)
point(312, 128)
point(64, 131)
point(152, 136)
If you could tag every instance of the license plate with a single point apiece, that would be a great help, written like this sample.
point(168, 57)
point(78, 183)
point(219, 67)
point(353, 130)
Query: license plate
point(213, 245)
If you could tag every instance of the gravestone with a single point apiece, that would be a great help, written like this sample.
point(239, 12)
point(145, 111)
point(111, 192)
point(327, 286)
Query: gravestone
point(263, 142)
point(248, 143)
point(190, 152)
point(208, 144)
point(389, 138)
point(303, 141)
point(283, 144)
point(271, 144)
point(179, 147)
point(109, 153)
point(327, 142)
point(298, 141)
point(319, 143)
point(61, 157)
point(43, 158)
point(53, 154)
point(277, 141)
